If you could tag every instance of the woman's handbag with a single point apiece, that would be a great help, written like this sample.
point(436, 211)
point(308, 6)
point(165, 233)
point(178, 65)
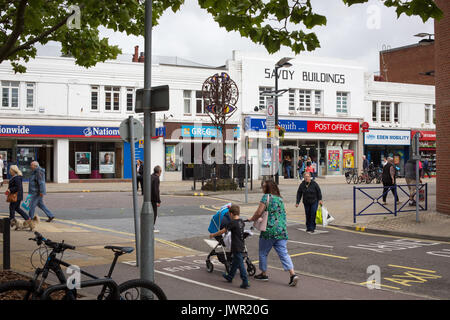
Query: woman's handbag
point(261, 223)
point(12, 197)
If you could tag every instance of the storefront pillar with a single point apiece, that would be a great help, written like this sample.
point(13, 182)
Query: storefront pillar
point(61, 160)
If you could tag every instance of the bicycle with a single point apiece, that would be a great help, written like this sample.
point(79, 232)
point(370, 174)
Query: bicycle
point(351, 175)
point(33, 289)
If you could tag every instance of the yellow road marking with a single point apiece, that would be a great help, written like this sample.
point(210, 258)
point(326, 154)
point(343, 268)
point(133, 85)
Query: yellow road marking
point(319, 254)
point(381, 285)
point(416, 269)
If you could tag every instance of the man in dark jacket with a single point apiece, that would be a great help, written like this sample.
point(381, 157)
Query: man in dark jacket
point(156, 200)
point(388, 179)
point(37, 190)
point(312, 197)
point(140, 175)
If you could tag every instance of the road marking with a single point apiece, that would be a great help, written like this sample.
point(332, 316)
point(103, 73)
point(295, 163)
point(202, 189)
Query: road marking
point(315, 232)
point(416, 269)
point(209, 286)
point(381, 285)
point(310, 244)
point(444, 253)
point(388, 246)
point(319, 254)
point(205, 208)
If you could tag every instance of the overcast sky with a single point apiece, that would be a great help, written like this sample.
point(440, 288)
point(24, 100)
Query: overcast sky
point(191, 33)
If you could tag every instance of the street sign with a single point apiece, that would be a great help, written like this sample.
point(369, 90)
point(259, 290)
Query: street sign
point(270, 115)
point(159, 99)
point(138, 130)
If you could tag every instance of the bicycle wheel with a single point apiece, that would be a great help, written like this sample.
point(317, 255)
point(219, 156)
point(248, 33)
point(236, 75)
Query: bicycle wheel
point(132, 290)
point(348, 178)
point(17, 290)
point(355, 179)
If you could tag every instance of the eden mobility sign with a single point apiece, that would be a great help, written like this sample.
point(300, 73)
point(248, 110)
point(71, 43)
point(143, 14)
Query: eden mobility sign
point(388, 137)
point(58, 131)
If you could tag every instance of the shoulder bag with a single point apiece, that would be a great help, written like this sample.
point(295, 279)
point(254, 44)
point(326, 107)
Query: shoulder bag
point(261, 223)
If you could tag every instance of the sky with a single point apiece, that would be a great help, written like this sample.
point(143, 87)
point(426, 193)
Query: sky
point(353, 33)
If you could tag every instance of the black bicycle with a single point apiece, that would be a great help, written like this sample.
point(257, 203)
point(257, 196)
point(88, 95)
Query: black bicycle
point(136, 289)
point(351, 174)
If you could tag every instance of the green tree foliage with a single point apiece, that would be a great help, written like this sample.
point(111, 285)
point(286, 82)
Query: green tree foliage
point(272, 23)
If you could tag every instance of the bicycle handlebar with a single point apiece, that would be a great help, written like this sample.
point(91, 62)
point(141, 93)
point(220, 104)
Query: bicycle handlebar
point(54, 245)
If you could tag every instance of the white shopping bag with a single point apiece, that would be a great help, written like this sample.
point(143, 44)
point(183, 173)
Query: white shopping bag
point(326, 217)
point(227, 240)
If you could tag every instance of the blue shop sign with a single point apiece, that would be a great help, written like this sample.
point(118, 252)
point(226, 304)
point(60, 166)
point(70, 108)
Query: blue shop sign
point(289, 125)
point(204, 132)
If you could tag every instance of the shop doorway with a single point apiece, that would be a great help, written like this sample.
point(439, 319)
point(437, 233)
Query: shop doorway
point(40, 152)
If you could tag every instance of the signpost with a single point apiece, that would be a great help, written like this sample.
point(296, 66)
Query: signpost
point(131, 131)
point(416, 156)
point(271, 138)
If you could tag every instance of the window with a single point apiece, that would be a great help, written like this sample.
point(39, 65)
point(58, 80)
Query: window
point(317, 102)
point(130, 99)
point(263, 98)
point(304, 100)
point(94, 98)
point(10, 94)
point(187, 101)
point(291, 100)
point(434, 114)
point(385, 111)
point(30, 95)
point(199, 103)
point(427, 113)
point(374, 111)
point(112, 98)
point(396, 111)
point(341, 102)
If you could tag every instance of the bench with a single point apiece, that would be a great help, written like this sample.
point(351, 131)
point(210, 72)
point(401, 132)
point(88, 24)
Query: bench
point(5, 229)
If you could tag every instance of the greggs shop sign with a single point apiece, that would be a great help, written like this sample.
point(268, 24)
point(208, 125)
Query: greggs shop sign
point(306, 126)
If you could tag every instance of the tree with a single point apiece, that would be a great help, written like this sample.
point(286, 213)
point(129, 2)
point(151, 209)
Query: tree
point(25, 23)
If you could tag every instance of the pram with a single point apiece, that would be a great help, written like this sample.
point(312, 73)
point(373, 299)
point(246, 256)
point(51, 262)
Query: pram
point(219, 247)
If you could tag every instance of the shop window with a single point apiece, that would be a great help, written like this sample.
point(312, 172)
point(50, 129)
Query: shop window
point(304, 100)
point(10, 94)
point(342, 102)
point(317, 102)
point(30, 95)
point(187, 101)
point(396, 111)
point(427, 113)
point(199, 102)
point(264, 98)
point(385, 111)
point(292, 100)
point(130, 99)
point(112, 98)
point(374, 111)
point(434, 114)
point(94, 98)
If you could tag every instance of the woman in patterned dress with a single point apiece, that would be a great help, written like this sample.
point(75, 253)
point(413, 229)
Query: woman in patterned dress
point(275, 235)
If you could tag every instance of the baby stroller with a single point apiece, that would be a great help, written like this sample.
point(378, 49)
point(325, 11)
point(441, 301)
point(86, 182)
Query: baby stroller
point(219, 247)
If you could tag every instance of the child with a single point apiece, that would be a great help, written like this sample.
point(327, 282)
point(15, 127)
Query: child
point(236, 227)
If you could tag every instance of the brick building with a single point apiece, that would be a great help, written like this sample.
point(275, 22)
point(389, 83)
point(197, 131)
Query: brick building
point(442, 76)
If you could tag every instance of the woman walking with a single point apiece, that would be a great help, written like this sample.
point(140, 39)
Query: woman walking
point(275, 235)
point(15, 186)
point(312, 197)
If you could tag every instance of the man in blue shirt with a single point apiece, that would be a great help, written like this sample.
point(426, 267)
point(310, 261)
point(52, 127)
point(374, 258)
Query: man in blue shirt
point(36, 188)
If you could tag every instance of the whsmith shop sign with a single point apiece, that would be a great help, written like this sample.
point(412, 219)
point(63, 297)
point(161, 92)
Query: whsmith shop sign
point(58, 131)
point(255, 124)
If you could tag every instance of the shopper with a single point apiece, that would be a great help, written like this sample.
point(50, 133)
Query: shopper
point(140, 175)
point(312, 197)
point(15, 186)
point(300, 168)
point(36, 188)
point(287, 166)
point(2, 167)
point(388, 179)
point(426, 169)
point(276, 235)
point(410, 176)
point(156, 200)
point(236, 227)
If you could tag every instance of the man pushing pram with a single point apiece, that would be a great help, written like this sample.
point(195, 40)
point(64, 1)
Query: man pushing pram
point(228, 219)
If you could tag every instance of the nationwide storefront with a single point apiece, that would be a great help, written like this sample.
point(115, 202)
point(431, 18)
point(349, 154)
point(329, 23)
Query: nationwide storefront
point(66, 152)
point(331, 144)
point(427, 148)
point(383, 143)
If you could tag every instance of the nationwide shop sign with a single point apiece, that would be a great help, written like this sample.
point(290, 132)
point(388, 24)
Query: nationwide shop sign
point(58, 131)
point(333, 127)
point(387, 137)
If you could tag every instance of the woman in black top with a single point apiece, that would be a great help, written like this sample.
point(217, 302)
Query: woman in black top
point(15, 186)
point(312, 197)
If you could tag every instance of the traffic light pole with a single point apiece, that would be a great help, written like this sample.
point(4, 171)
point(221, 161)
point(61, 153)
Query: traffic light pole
point(277, 179)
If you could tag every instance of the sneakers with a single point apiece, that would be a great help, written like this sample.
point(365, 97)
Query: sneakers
point(310, 231)
point(50, 219)
point(227, 277)
point(293, 281)
point(245, 286)
point(261, 277)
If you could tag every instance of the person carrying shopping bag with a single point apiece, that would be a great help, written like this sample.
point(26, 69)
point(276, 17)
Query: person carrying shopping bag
point(312, 197)
point(275, 234)
point(15, 186)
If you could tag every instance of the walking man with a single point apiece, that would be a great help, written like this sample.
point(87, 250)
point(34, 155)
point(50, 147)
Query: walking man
point(426, 169)
point(140, 175)
point(388, 179)
point(36, 188)
point(156, 200)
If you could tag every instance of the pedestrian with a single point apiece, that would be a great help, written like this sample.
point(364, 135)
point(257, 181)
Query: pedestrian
point(275, 236)
point(365, 166)
point(300, 168)
point(312, 197)
point(314, 167)
point(410, 176)
point(236, 227)
point(156, 200)
point(288, 166)
point(140, 175)
point(388, 179)
point(2, 167)
point(426, 169)
point(309, 169)
point(37, 190)
point(15, 186)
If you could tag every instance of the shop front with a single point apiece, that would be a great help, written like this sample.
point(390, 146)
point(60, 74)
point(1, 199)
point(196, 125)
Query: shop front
point(65, 152)
point(427, 148)
point(330, 145)
point(383, 143)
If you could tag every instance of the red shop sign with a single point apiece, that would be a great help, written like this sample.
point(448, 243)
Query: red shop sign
point(425, 135)
point(333, 127)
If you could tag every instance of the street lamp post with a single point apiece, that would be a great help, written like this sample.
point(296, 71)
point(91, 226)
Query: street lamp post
point(284, 62)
